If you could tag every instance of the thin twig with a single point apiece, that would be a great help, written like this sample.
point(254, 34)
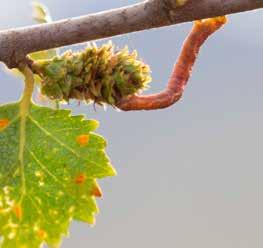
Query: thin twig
point(16, 43)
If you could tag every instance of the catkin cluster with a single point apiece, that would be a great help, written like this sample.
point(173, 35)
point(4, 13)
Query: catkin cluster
point(101, 75)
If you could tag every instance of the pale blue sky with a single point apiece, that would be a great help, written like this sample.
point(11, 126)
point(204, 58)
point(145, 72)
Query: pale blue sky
point(191, 175)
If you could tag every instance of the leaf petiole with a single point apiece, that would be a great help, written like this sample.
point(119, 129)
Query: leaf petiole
point(24, 110)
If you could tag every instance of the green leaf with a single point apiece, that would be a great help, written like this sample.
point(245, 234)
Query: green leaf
point(41, 12)
point(53, 181)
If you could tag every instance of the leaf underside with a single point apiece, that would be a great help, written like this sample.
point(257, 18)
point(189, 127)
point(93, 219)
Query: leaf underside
point(56, 180)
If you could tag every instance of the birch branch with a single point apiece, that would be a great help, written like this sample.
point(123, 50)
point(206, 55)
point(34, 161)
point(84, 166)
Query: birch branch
point(16, 43)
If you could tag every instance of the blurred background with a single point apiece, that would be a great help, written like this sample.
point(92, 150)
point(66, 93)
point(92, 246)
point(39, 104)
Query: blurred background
point(190, 175)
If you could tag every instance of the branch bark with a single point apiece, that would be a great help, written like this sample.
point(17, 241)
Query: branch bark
point(16, 43)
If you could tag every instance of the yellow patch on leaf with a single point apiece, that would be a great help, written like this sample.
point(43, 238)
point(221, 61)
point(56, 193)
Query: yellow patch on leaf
point(83, 139)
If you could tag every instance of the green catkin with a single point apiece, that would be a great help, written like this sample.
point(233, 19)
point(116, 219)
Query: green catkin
point(99, 75)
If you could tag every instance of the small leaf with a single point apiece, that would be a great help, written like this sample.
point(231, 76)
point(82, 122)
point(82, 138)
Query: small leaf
point(55, 182)
point(41, 15)
point(46, 54)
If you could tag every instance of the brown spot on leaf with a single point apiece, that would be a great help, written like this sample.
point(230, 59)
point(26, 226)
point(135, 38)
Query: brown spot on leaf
point(41, 234)
point(18, 211)
point(83, 139)
point(4, 123)
point(81, 178)
point(96, 191)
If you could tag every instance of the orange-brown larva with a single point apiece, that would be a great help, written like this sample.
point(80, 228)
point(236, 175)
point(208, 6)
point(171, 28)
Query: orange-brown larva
point(180, 75)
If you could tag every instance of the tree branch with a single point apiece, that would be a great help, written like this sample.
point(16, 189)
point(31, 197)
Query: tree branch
point(15, 44)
